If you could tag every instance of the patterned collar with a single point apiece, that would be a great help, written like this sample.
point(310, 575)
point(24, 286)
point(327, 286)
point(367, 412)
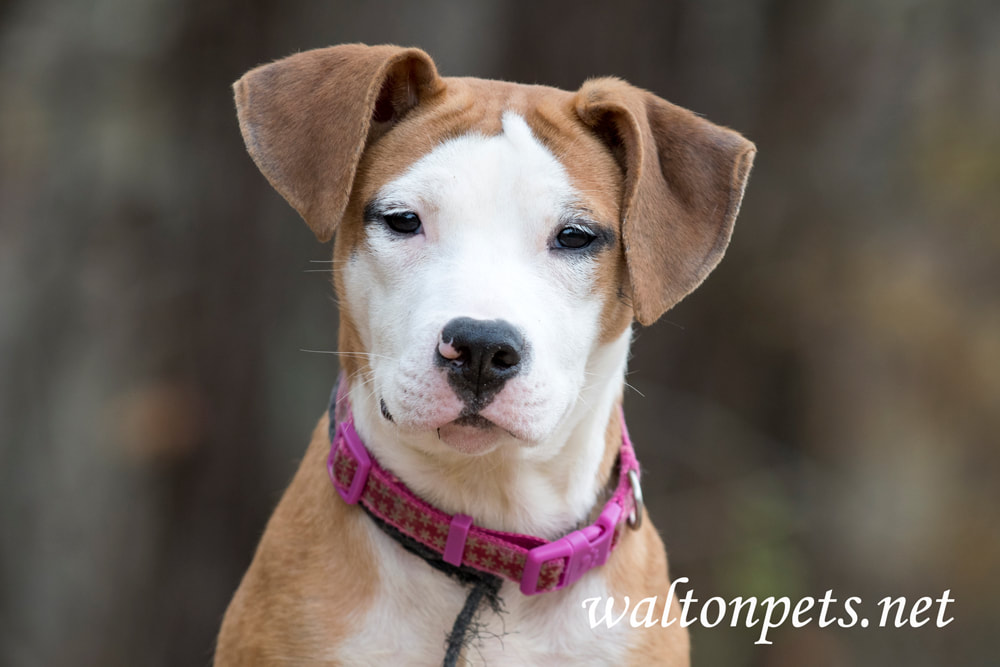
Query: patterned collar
point(539, 566)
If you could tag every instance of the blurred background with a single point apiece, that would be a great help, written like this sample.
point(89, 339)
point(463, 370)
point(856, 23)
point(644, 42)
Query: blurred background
point(822, 414)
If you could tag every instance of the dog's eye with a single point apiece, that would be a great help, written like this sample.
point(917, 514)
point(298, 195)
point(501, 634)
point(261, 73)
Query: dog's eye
point(403, 223)
point(574, 238)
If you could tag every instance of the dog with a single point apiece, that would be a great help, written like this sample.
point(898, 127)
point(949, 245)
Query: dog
point(494, 244)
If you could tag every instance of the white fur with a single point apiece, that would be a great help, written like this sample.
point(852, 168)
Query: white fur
point(416, 606)
point(489, 208)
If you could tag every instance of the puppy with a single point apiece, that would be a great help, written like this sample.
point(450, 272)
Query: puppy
point(494, 244)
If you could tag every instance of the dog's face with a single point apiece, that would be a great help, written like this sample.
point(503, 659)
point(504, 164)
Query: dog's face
point(492, 238)
point(477, 283)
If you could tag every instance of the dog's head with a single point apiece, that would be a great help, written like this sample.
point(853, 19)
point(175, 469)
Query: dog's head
point(493, 239)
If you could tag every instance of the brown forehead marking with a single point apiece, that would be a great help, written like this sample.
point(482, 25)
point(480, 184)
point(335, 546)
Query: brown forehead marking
point(596, 176)
point(469, 105)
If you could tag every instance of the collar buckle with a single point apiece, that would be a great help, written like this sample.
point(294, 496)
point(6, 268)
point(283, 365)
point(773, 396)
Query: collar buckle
point(583, 550)
point(355, 449)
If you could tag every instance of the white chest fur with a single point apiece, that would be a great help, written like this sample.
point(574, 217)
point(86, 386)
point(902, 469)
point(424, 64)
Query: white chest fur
point(411, 616)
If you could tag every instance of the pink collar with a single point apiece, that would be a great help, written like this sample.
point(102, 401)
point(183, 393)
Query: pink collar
point(538, 565)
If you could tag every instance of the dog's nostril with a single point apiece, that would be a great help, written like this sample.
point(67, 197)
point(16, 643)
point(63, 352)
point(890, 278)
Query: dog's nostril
point(506, 357)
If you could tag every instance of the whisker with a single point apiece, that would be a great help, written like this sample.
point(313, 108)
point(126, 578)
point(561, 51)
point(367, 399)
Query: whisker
point(360, 355)
point(635, 390)
point(604, 377)
point(364, 380)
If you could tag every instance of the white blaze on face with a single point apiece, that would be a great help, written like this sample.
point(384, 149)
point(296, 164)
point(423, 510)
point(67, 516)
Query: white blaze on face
point(490, 208)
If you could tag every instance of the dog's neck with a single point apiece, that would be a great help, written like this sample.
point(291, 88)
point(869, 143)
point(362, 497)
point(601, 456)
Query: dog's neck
point(543, 490)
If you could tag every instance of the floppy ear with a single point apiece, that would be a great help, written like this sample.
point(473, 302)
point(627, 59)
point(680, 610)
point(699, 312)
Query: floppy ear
point(684, 180)
point(306, 119)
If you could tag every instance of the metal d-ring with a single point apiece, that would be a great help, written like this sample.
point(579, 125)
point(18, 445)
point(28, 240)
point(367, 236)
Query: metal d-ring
point(635, 516)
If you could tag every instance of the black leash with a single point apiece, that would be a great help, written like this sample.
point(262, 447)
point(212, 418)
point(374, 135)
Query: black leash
point(459, 635)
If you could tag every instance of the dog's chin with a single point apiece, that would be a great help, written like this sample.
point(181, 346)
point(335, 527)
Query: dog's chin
point(471, 435)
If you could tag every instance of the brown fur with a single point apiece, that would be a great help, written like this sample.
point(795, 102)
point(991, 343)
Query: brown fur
point(306, 119)
point(328, 128)
point(639, 570)
point(684, 180)
point(312, 575)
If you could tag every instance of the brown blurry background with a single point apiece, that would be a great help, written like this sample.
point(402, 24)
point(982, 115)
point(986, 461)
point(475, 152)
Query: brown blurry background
point(822, 414)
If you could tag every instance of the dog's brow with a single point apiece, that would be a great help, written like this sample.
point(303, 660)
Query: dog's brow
point(378, 207)
point(579, 210)
point(581, 215)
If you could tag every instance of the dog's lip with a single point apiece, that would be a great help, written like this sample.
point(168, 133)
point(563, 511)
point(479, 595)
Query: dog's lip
point(470, 434)
point(481, 423)
point(475, 420)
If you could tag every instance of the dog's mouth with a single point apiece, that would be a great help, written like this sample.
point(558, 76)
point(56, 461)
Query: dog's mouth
point(475, 421)
point(385, 410)
point(470, 434)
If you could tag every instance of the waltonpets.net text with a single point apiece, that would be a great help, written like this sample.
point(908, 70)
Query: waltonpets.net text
point(770, 612)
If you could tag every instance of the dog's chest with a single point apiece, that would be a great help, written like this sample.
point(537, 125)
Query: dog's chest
point(415, 608)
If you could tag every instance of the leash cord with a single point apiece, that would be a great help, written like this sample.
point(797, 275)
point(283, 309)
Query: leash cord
point(484, 586)
point(459, 635)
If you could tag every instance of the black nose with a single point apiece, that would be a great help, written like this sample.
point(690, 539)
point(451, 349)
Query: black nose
point(480, 356)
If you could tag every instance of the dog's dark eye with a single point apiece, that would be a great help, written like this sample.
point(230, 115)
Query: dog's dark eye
point(403, 223)
point(574, 238)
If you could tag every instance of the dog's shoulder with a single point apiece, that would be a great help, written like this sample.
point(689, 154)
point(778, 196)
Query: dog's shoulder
point(313, 572)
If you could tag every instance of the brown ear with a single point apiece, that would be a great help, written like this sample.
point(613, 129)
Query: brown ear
point(684, 180)
point(306, 119)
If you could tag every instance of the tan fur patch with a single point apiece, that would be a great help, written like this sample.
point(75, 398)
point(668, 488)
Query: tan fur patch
point(638, 569)
point(314, 555)
point(684, 181)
